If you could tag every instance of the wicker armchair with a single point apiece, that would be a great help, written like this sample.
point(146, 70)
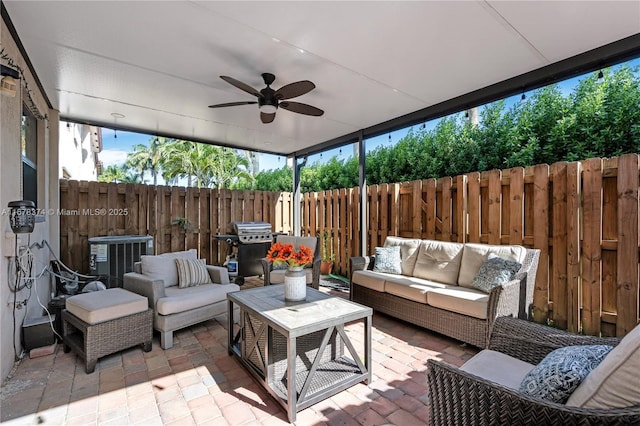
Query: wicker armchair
point(276, 276)
point(461, 398)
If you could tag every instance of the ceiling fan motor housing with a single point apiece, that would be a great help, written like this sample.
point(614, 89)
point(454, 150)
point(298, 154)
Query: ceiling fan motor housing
point(267, 102)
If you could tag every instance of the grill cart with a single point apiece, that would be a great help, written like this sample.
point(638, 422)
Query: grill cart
point(249, 242)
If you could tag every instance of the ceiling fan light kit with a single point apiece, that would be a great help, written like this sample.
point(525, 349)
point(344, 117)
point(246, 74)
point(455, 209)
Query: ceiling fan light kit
point(267, 108)
point(269, 100)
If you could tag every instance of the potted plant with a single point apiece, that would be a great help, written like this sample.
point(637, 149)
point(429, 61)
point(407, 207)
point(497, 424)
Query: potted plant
point(326, 253)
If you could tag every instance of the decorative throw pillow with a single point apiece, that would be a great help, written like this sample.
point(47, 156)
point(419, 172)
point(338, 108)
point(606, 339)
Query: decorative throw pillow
point(495, 271)
point(192, 273)
point(388, 260)
point(562, 371)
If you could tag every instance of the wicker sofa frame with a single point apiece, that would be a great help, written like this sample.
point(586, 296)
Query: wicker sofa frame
point(461, 398)
point(511, 299)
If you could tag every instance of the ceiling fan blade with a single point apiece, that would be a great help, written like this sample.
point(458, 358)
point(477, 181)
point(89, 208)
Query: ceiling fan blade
point(293, 90)
point(240, 85)
point(301, 108)
point(228, 104)
point(267, 118)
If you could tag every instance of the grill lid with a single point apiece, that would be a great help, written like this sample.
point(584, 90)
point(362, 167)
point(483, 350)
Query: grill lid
point(252, 232)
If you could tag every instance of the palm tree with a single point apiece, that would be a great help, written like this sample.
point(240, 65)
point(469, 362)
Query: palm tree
point(176, 161)
point(132, 177)
point(227, 166)
point(113, 173)
point(148, 158)
point(209, 165)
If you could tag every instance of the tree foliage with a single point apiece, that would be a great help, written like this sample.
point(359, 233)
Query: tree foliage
point(200, 164)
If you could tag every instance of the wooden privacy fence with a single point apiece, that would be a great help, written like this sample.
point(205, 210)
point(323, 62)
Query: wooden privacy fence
point(583, 216)
point(90, 209)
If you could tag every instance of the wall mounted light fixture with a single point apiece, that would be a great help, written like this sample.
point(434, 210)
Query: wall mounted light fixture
point(8, 85)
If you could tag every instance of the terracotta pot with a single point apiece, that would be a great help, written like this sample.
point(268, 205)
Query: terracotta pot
point(326, 267)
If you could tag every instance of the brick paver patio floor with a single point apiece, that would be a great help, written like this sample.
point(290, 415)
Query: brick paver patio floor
point(197, 382)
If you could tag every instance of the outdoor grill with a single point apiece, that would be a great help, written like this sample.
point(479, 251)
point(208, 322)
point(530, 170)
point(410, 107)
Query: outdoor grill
point(250, 242)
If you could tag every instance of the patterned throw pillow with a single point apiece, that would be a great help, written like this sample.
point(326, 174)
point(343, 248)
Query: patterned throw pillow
point(562, 371)
point(388, 260)
point(192, 272)
point(495, 271)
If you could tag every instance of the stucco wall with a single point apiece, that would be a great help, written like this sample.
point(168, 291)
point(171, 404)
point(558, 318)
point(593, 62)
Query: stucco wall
point(10, 190)
point(77, 153)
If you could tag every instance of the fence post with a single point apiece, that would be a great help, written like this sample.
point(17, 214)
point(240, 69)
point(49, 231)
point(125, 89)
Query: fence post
point(627, 285)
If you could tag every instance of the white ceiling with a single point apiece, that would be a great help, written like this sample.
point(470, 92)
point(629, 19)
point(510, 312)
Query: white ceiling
point(158, 63)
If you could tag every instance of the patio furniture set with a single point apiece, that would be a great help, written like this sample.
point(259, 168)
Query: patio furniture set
point(300, 353)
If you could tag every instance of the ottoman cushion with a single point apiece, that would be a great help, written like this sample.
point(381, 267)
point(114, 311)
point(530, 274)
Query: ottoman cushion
point(100, 306)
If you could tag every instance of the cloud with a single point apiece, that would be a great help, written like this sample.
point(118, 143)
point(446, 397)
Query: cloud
point(111, 157)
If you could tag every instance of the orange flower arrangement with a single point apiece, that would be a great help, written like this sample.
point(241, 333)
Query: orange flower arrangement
point(285, 254)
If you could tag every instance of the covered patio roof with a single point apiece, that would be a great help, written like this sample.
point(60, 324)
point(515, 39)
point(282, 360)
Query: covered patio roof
point(154, 67)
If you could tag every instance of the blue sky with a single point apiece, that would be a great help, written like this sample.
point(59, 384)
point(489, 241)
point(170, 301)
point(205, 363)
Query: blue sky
point(115, 149)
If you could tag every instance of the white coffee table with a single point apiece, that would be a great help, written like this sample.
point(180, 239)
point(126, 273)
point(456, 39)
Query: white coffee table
point(298, 342)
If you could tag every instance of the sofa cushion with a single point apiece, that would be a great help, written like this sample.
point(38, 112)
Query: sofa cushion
point(163, 266)
point(411, 288)
point(495, 271)
point(369, 279)
point(276, 276)
point(498, 368)
point(609, 385)
point(100, 306)
point(408, 252)
point(474, 255)
point(439, 261)
point(466, 301)
point(192, 272)
point(185, 299)
point(562, 371)
point(388, 260)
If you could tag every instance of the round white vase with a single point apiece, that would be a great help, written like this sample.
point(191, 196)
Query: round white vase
point(295, 284)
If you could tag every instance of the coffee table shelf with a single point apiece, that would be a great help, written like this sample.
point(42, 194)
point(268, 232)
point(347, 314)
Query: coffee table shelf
point(303, 342)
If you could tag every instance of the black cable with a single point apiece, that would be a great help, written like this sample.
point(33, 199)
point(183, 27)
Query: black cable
point(15, 300)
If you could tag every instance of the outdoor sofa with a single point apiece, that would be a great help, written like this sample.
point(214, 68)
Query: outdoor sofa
point(485, 391)
point(431, 285)
point(179, 297)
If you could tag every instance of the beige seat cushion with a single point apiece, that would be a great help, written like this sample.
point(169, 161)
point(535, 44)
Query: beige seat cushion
point(462, 300)
point(411, 288)
point(163, 266)
point(101, 306)
point(277, 276)
point(613, 383)
point(369, 279)
point(439, 261)
point(185, 299)
point(474, 255)
point(408, 252)
point(498, 368)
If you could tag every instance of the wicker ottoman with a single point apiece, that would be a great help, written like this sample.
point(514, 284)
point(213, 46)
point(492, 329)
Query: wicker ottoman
point(104, 322)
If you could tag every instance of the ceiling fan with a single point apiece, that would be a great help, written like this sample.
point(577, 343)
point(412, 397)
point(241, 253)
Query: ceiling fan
point(270, 100)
